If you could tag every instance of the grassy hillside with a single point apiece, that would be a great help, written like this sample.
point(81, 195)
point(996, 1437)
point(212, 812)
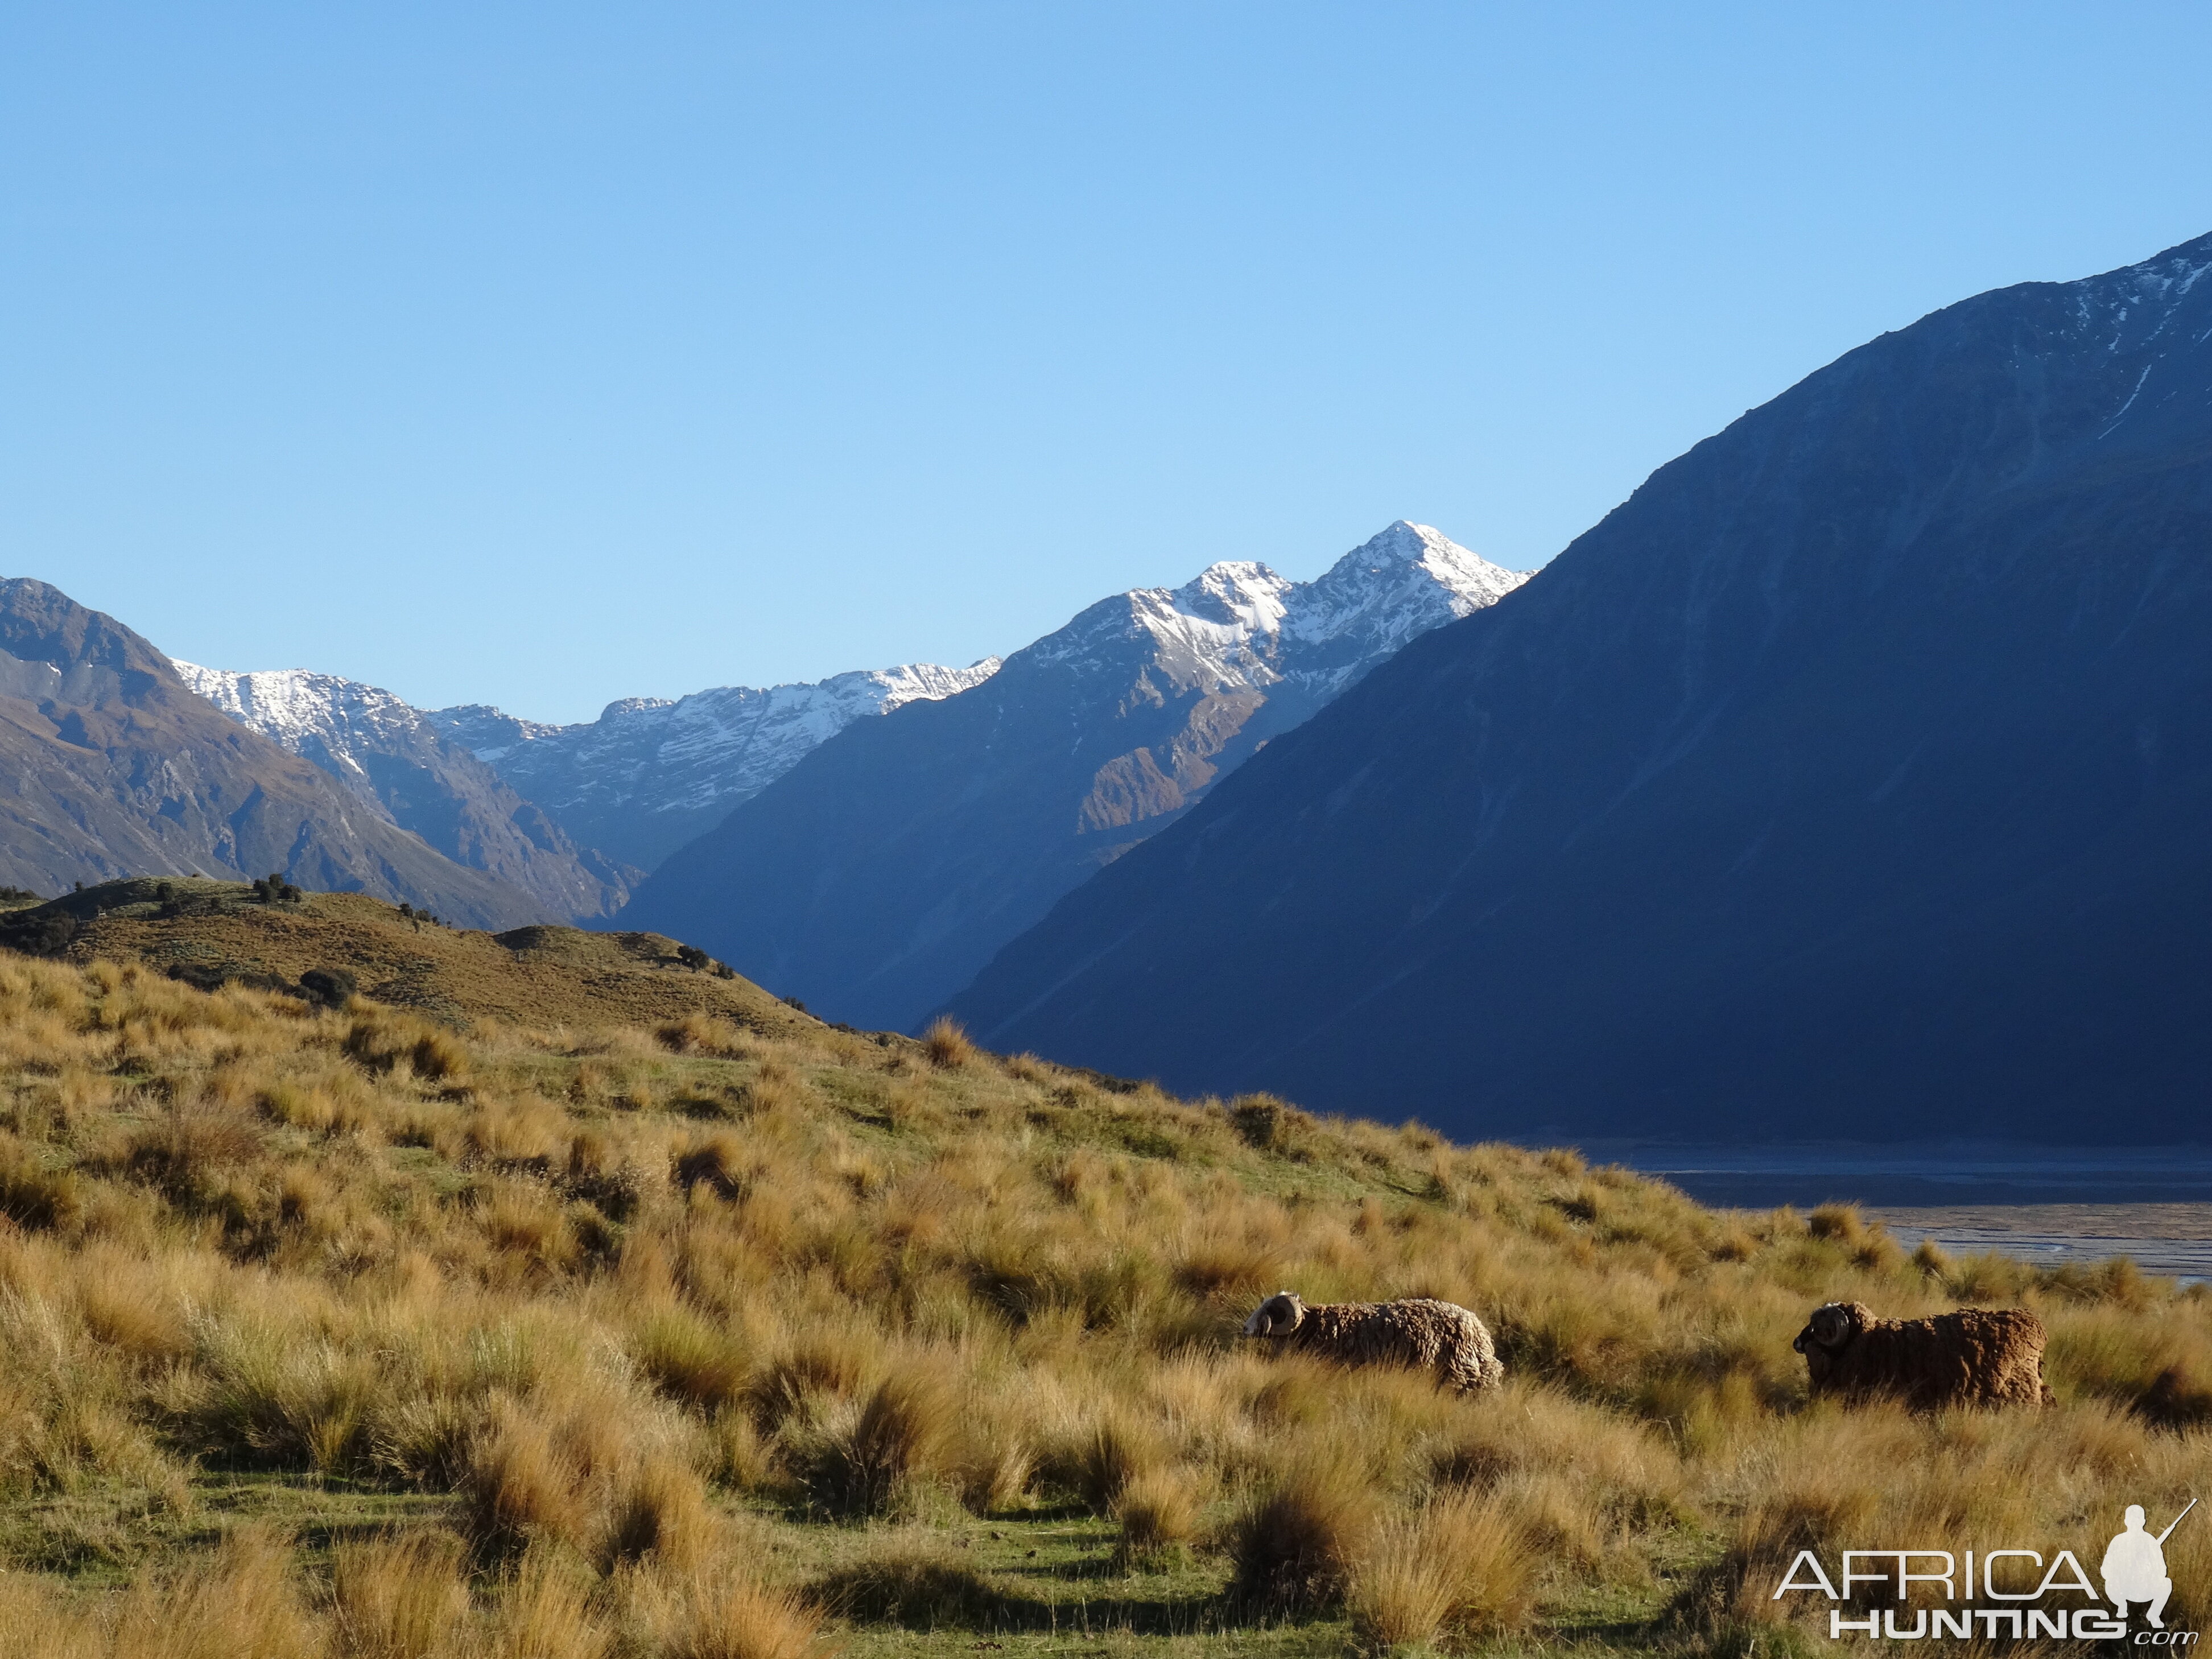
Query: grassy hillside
point(345, 1332)
point(209, 931)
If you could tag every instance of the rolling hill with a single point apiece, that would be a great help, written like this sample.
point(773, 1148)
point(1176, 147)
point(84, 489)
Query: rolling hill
point(209, 934)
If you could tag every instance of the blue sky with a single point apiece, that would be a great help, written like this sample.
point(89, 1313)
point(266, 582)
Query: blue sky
point(541, 355)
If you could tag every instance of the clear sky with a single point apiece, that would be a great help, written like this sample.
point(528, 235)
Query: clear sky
point(542, 354)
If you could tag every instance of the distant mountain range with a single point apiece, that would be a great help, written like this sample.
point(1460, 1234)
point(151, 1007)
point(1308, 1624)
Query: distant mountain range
point(1852, 780)
point(595, 804)
point(571, 818)
point(110, 765)
point(875, 876)
point(650, 775)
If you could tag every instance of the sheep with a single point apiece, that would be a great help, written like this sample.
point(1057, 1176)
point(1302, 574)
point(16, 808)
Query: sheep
point(1975, 1357)
point(1416, 1331)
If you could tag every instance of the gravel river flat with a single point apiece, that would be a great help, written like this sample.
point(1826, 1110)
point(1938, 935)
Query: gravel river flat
point(2046, 1205)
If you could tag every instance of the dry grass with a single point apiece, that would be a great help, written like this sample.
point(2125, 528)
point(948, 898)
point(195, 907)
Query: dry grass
point(660, 1325)
point(1457, 1567)
point(403, 1599)
point(946, 1044)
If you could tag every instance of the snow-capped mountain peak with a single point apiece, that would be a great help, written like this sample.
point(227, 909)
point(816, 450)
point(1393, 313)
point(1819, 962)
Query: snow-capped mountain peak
point(332, 721)
point(1239, 593)
point(652, 772)
point(645, 776)
point(393, 759)
point(1239, 625)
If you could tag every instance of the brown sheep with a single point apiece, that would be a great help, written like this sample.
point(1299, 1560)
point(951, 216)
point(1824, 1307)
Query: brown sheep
point(1416, 1331)
point(1975, 1357)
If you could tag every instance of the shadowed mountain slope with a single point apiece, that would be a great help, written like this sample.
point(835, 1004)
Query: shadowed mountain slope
point(1852, 779)
point(111, 765)
point(877, 876)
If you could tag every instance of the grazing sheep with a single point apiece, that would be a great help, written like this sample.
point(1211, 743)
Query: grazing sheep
point(1975, 1357)
point(1417, 1331)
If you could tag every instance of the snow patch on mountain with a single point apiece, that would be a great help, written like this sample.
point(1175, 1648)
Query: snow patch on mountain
point(335, 723)
point(1239, 625)
point(652, 772)
point(394, 760)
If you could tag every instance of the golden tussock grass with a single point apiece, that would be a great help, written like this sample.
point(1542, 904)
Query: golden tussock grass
point(672, 1335)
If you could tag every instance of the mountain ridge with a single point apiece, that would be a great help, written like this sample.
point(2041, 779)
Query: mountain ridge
point(1845, 765)
point(392, 757)
point(114, 766)
point(874, 877)
point(652, 773)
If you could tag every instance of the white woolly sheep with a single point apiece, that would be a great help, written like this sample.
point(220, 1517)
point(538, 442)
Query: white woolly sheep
point(1417, 1331)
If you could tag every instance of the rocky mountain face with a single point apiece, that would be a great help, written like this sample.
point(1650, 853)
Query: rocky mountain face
point(877, 875)
point(399, 763)
point(110, 765)
point(1850, 782)
point(649, 774)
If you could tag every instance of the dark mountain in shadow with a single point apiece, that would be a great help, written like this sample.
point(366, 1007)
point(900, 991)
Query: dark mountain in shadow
point(1852, 780)
point(874, 877)
point(110, 765)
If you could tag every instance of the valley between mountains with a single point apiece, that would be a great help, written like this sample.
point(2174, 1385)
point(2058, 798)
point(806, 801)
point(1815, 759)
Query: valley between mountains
point(1847, 780)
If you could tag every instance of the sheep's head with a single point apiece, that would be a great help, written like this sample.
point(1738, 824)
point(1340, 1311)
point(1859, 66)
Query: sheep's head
point(1278, 1315)
point(1831, 1328)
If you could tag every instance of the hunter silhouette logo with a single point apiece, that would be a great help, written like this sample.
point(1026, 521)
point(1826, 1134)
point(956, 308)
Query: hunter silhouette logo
point(2135, 1566)
point(2026, 1607)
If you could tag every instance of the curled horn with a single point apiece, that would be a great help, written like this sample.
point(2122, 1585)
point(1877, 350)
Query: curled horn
point(1278, 1315)
point(1832, 1325)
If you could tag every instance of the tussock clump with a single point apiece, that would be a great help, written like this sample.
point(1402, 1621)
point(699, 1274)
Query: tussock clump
point(859, 1463)
point(34, 1193)
point(663, 1516)
point(730, 1615)
point(1159, 1510)
point(245, 1600)
point(1269, 1125)
point(1293, 1549)
point(715, 1166)
point(544, 1611)
point(691, 1359)
point(384, 1043)
point(793, 1384)
point(2175, 1399)
point(520, 1488)
point(399, 1598)
point(946, 1044)
point(1099, 1459)
point(704, 1033)
point(1457, 1567)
